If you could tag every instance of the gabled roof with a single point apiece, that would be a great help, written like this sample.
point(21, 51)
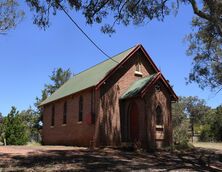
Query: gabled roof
point(143, 85)
point(88, 78)
point(137, 86)
point(158, 77)
point(98, 74)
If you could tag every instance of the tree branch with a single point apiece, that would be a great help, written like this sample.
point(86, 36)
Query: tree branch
point(99, 8)
point(199, 12)
point(211, 18)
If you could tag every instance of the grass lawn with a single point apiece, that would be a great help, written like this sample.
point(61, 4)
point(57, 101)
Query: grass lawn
point(62, 158)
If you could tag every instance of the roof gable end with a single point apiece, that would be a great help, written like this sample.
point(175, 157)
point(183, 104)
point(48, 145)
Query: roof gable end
point(133, 52)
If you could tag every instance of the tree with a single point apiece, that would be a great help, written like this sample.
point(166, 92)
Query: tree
point(1, 118)
point(206, 46)
point(58, 78)
point(211, 129)
point(204, 43)
point(15, 129)
point(30, 119)
point(217, 124)
point(1, 128)
point(195, 109)
point(180, 124)
point(10, 15)
point(189, 112)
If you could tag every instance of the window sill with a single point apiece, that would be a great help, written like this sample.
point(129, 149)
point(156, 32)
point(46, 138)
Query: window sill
point(159, 126)
point(138, 73)
point(79, 122)
point(51, 126)
point(63, 125)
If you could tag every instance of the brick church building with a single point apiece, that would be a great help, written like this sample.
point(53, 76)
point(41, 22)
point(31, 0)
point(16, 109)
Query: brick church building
point(125, 99)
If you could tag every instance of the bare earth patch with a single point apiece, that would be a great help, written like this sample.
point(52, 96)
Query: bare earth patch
point(209, 145)
point(62, 158)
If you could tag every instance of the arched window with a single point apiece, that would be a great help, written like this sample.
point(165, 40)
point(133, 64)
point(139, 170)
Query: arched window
point(80, 108)
point(138, 67)
point(65, 113)
point(159, 116)
point(53, 116)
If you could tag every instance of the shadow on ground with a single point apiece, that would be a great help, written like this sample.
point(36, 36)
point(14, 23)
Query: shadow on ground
point(111, 160)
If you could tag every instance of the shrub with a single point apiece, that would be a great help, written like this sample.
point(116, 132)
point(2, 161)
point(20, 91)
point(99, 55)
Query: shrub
point(15, 131)
point(206, 134)
point(180, 134)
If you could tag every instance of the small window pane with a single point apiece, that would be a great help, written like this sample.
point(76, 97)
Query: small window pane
point(159, 116)
point(65, 113)
point(53, 116)
point(138, 67)
point(80, 108)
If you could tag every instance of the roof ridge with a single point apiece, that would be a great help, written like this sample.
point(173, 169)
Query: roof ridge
point(104, 61)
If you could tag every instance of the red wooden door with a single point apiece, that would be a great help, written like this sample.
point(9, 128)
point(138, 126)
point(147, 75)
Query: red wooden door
point(134, 123)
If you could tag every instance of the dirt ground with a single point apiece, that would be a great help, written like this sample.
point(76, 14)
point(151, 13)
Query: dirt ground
point(62, 158)
point(209, 145)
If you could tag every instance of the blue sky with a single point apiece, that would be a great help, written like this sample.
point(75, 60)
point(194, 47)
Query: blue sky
point(29, 55)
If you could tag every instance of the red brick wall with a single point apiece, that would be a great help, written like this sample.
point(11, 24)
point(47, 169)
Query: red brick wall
point(154, 98)
point(147, 117)
point(106, 130)
point(74, 132)
point(110, 92)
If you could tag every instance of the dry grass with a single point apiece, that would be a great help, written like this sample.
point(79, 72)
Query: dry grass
point(208, 145)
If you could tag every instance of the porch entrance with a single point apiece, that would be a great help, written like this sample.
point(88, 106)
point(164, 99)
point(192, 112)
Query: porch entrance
point(133, 118)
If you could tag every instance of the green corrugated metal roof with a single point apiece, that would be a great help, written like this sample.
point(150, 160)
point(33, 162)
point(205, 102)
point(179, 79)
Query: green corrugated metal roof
point(87, 78)
point(137, 86)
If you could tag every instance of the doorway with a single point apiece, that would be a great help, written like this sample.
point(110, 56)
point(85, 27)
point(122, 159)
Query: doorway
point(133, 118)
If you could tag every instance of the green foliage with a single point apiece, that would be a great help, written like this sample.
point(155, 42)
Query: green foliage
point(58, 78)
point(204, 43)
point(30, 119)
point(206, 134)
point(180, 123)
point(10, 15)
point(195, 109)
point(212, 126)
point(217, 125)
point(1, 128)
point(181, 135)
point(19, 128)
point(191, 114)
point(15, 131)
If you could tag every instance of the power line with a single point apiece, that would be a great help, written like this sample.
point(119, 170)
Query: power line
point(84, 33)
point(212, 96)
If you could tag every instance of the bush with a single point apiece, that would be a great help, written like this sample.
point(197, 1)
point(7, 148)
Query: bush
point(15, 131)
point(206, 134)
point(180, 134)
point(183, 146)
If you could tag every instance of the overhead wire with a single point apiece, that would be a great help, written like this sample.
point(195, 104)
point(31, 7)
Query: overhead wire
point(85, 34)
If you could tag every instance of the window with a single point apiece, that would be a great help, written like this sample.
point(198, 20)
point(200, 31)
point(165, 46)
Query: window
point(53, 116)
point(157, 87)
point(80, 108)
point(159, 116)
point(65, 113)
point(138, 67)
